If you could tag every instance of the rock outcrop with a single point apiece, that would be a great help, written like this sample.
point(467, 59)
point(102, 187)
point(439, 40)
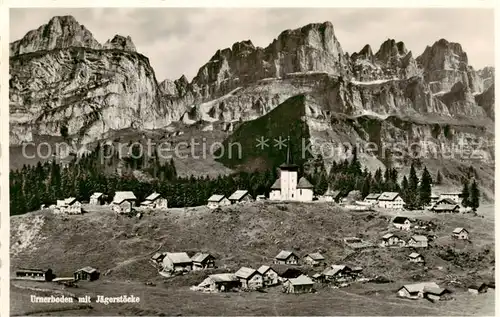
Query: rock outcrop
point(119, 42)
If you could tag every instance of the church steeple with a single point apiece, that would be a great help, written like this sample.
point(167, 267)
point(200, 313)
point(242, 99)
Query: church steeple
point(288, 165)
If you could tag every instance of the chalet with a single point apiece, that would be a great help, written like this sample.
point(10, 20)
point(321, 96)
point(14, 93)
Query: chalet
point(216, 201)
point(222, 282)
point(69, 206)
point(249, 278)
point(123, 202)
point(415, 291)
point(446, 208)
point(203, 261)
point(372, 199)
point(35, 274)
point(389, 240)
point(270, 276)
point(337, 272)
point(416, 258)
point(314, 259)
point(460, 234)
point(478, 288)
point(97, 199)
point(455, 196)
point(301, 284)
point(356, 271)
point(86, 274)
point(286, 257)
point(401, 223)
point(155, 201)
point(318, 278)
point(260, 197)
point(285, 272)
point(418, 241)
point(331, 195)
point(177, 262)
point(390, 200)
point(240, 196)
point(158, 257)
point(445, 201)
point(435, 293)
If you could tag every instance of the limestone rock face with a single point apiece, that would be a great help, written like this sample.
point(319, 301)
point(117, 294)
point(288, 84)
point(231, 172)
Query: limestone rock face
point(120, 43)
point(60, 32)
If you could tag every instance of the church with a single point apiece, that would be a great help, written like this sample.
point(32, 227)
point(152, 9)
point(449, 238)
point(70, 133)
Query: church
point(287, 187)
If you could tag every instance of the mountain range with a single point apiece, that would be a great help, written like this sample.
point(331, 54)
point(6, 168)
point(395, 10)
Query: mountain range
point(62, 78)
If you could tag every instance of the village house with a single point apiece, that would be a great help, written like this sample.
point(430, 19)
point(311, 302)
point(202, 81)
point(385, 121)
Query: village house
point(86, 274)
point(416, 258)
point(203, 261)
point(372, 199)
point(435, 294)
point(222, 282)
point(216, 201)
point(390, 200)
point(285, 272)
point(418, 241)
point(249, 278)
point(446, 208)
point(456, 197)
point(331, 195)
point(288, 186)
point(155, 201)
point(389, 240)
point(460, 234)
point(260, 197)
point(270, 276)
point(240, 196)
point(478, 288)
point(401, 223)
point(301, 284)
point(286, 257)
point(314, 259)
point(445, 201)
point(415, 291)
point(434, 198)
point(318, 278)
point(158, 257)
point(123, 202)
point(356, 271)
point(35, 274)
point(177, 262)
point(97, 199)
point(69, 206)
point(338, 272)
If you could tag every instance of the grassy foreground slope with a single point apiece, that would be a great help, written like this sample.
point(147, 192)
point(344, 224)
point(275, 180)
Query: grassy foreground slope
point(249, 235)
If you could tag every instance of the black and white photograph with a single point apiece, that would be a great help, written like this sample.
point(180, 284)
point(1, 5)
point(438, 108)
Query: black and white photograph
point(250, 161)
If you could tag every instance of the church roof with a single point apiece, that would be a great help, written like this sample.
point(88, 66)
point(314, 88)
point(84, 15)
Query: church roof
point(277, 184)
point(288, 166)
point(304, 183)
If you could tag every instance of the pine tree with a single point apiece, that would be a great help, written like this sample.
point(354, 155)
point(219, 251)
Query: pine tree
point(412, 193)
point(424, 190)
point(404, 189)
point(465, 194)
point(365, 190)
point(474, 195)
point(439, 178)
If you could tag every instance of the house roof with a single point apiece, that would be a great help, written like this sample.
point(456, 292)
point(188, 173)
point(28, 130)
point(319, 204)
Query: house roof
point(223, 277)
point(477, 285)
point(301, 280)
point(334, 269)
point(70, 200)
point(153, 196)
point(283, 255)
point(158, 255)
point(277, 184)
point(317, 275)
point(330, 192)
point(121, 196)
point(399, 220)
point(316, 256)
point(419, 287)
point(32, 271)
point(458, 230)
point(264, 268)
point(245, 272)
point(419, 238)
point(388, 196)
point(239, 194)
point(357, 269)
point(387, 236)
point(216, 198)
point(178, 257)
point(446, 201)
point(288, 166)
point(87, 269)
point(200, 257)
point(304, 183)
point(445, 207)
point(414, 255)
point(96, 195)
point(435, 290)
point(372, 196)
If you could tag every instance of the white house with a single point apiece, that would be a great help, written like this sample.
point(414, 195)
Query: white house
point(314, 259)
point(460, 234)
point(123, 202)
point(415, 291)
point(389, 240)
point(68, 206)
point(330, 195)
point(240, 196)
point(416, 258)
point(97, 199)
point(249, 278)
point(289, 187)
point(270, 276)
point(390, 200)
point(372, 199)
point(155, 201)
point(401, 223)
point(418, 241)
point(216, 201)
point(455, 196)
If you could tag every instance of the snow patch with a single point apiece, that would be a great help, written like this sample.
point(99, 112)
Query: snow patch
point(372, 82)
point(371, 113)
point(308, 73)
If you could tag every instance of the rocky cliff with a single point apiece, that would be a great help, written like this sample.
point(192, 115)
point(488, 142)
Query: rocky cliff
point(61, 77)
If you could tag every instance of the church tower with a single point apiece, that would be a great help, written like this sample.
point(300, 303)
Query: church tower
point(288, 178)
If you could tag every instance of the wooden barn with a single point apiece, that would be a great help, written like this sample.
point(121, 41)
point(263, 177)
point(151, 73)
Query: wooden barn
point(301, 284)
point(86, 274)
point(123, 202)
point(203, 261)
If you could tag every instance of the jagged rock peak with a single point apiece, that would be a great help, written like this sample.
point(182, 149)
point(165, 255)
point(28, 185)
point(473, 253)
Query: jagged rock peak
point(443, 55)
point(390, 48)
point(59, 32)
point(243, 47)
point(120, 42)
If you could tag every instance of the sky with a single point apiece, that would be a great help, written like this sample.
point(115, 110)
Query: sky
point(178, 41)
